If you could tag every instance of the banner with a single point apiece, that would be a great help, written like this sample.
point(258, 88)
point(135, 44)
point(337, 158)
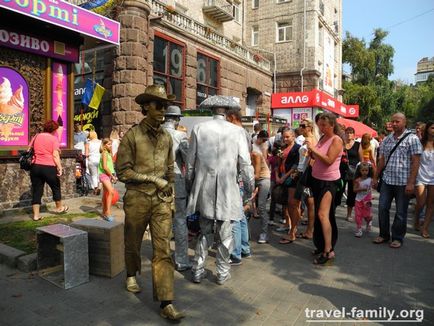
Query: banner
point(14, 108)
point(59, 101)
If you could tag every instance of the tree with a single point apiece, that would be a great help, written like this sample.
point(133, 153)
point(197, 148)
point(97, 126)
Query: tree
point(371, 65)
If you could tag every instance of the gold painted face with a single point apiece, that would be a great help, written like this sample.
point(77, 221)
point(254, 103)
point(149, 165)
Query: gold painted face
point(156, 110)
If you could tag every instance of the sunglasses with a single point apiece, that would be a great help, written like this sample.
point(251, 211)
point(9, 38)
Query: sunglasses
point(303, 126)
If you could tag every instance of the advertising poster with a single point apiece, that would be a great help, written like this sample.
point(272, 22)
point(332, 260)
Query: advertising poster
point(329, 64)
point(14, 108)
point(300, 114)
point(60, 101)
point(284, 114)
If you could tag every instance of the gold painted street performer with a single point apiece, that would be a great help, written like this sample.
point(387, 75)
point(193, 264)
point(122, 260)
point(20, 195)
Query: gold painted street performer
point(145, 164)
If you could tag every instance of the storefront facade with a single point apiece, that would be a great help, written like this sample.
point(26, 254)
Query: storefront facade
point(39, 43)
point(297, 106)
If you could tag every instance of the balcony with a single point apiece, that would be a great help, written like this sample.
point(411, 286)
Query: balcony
point(219, 10)
point(186, 25)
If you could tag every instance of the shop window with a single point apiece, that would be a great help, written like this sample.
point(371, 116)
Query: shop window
point(255, 35)
point(208, 77)
point(169, 59)
point(284, 32)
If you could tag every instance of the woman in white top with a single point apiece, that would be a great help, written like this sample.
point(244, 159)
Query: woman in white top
point(93, 159)
point(114, 137)
point(425, 180)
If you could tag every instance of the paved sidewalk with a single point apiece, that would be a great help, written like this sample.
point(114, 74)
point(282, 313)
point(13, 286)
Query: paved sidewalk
point(274, 287)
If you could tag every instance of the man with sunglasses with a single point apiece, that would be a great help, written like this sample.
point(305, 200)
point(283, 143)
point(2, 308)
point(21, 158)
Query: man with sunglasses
point(145, 164)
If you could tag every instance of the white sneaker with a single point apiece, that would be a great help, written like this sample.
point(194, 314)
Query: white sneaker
point(263, 238)
point(358, 233)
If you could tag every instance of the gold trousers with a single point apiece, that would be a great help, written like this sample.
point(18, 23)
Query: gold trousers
point(140, 210)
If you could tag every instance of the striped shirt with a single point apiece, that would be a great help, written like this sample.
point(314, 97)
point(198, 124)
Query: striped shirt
point(397, 170)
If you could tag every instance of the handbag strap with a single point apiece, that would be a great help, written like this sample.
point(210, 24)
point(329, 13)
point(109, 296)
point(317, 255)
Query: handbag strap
point(394, 148)
point(33, 140)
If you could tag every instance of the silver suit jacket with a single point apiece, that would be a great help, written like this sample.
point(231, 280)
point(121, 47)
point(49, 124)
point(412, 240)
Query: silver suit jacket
point(218, 153)
point(180, 149)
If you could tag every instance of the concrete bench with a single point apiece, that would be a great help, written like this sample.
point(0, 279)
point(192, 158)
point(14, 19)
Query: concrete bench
point(106, 246)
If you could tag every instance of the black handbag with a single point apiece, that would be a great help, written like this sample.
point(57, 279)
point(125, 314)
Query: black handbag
point(380, 176)
point(26, 158)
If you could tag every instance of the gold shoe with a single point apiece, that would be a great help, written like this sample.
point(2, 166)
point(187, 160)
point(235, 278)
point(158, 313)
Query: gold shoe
point(132, 285)
point(170, 312)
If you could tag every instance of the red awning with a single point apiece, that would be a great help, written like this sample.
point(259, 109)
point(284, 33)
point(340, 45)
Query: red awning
point(359, 127)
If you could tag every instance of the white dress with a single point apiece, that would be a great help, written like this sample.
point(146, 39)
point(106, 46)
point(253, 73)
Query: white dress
point(426, 169)
point(93, 161)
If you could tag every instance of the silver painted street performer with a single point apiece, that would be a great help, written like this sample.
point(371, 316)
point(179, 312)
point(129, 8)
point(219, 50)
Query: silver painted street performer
point(179, 149)
point(218, 152)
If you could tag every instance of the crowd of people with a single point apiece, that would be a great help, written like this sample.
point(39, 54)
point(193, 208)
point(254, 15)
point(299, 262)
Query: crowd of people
point(224, 175)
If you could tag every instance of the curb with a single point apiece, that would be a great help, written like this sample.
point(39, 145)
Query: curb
point(15, 258)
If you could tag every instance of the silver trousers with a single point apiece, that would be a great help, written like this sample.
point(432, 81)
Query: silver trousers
point(225, 245)
point(181, 234)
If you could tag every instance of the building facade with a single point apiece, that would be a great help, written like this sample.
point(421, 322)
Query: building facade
point(303, 38)
point(425, 68)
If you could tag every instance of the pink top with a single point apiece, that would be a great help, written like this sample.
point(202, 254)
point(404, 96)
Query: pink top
point(322, 171)
point(44, 146)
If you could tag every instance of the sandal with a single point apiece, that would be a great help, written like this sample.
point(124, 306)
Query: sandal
point(63, 210)
point(285, 241)
point(321, 260)
point(395, 244)
point(303, 236)
point(40, 218)
point(425, 235)
point(380, 240)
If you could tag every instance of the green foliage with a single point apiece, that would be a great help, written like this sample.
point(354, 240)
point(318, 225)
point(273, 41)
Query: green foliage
point(378, 97)
point(22, 235)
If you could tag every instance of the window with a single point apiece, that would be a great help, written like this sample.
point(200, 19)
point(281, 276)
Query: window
point(282, 1)
point(236, 11)
point(255, 35)
point(207, 77)
point(320, 35)
point(284, 32)
point(255, 4)
point(169, 66)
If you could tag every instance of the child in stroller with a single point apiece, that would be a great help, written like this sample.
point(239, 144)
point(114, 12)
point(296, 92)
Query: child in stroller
point(82, 178)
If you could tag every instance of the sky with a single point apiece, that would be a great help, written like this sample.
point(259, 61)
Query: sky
point(410, 24)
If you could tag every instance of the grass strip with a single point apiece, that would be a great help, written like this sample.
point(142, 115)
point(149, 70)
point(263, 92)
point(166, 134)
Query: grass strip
point(22, 234)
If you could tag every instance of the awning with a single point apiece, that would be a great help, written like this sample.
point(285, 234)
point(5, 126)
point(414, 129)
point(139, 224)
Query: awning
point(359, 127)
point(313, 98)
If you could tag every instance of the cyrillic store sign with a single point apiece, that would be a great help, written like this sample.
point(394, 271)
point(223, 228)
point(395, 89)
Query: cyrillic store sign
point(42, 46)
point(68, 16)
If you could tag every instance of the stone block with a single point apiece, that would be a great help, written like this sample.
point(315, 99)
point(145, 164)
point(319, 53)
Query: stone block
point(106, 245)
point(63, 257)
point(27, 263)
point(119, 117)
point(9, 255)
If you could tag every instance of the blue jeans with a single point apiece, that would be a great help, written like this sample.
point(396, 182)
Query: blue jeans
point(240, 233)
point(399, 226)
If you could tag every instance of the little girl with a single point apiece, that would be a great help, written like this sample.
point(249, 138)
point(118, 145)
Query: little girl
point(366, 150)
point(362, 188)
point(107, 176)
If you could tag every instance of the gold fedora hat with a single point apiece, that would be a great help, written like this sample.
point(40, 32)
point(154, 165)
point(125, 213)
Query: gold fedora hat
point(154, 92)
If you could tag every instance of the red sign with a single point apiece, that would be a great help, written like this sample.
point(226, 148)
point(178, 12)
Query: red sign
point(314, 98)
point(38, 45)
